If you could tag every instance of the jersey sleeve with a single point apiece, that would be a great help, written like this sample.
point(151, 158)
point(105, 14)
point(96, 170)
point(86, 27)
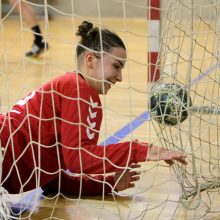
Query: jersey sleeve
point(80, 126)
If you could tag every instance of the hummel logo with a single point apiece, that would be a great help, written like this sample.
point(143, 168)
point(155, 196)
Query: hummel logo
point(92, 115)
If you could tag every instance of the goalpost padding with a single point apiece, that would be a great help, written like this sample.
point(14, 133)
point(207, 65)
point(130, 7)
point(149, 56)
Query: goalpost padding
point(153, 40)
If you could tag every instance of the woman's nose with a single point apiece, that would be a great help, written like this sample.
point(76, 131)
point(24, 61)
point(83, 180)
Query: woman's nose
point(119, 77)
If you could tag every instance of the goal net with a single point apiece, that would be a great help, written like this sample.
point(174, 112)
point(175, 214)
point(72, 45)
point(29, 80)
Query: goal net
point(189, 56)
point(186, 43)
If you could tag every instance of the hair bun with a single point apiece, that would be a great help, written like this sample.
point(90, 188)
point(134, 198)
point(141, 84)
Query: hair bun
point(84, 29)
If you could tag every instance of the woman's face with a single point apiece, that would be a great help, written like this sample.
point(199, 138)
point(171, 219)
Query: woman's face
point(107, 70)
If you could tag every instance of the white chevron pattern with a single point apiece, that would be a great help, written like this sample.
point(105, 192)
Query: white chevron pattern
point(92, 114)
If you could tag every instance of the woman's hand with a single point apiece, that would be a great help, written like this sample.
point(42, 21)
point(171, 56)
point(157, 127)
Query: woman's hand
point(159, 153)
point(125, 179)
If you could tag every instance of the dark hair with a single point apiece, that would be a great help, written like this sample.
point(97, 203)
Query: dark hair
point(90, 39)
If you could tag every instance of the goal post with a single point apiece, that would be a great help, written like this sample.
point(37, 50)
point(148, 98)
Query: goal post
point(153, 40)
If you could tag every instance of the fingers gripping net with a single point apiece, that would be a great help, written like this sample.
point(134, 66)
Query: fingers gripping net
point(189, 55)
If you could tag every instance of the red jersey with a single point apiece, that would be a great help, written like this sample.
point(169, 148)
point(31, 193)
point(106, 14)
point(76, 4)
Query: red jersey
point(56, 128)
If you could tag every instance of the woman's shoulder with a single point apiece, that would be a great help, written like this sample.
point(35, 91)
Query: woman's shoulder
point(70, 83)
point(69, 80)
point(70, 77)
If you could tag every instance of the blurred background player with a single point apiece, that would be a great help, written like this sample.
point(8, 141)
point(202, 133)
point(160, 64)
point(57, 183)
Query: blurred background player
point(39, 44)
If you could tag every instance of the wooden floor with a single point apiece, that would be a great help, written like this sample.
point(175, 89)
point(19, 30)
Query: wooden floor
point(157, 194)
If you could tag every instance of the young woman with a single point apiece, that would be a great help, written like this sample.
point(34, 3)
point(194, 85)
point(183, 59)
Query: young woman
point(56, 128)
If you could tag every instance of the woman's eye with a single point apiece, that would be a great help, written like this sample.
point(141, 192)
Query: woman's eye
point(116, 66)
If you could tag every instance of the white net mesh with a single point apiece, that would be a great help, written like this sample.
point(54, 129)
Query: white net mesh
point(190, 56)
point(189, 49)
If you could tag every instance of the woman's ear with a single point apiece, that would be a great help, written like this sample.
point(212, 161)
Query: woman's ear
point(90, 58)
